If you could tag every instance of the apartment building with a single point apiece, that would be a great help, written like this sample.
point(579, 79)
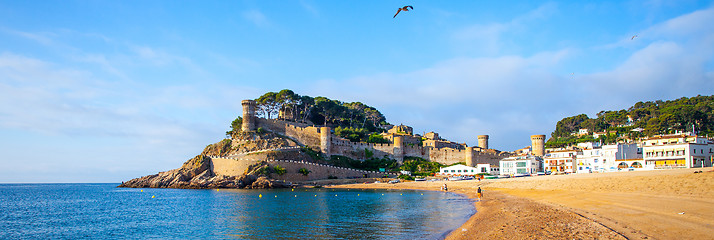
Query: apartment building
point(677, 151)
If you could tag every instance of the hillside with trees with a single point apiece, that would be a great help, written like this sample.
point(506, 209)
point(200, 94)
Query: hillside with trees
point(694, 114)
point(355, 121)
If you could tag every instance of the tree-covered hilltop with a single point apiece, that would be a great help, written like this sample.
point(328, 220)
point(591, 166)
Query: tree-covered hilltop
point(694, 114)
point(354, 120)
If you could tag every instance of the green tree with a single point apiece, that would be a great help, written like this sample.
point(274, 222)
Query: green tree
point(568, 125)
point(236, 126)
point(376, 138)
point(268, 105)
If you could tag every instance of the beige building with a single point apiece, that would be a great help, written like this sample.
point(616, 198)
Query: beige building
point(560, 161)
point(677, 151)
point(401, 129)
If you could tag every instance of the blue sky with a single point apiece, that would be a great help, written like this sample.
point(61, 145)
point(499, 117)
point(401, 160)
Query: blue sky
point(105, 91)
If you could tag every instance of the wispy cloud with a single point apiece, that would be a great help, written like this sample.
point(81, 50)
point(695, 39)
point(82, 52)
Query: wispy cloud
point(487, 38)
point(256, 17)
point(310, 7)
point(41, 38)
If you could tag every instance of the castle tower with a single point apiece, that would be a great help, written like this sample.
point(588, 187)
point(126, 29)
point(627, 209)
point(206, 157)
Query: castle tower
point(483, 141)
point(325, 141)
point(399, 148)
point(469, 156)
point(248, 116)
point(538, 145)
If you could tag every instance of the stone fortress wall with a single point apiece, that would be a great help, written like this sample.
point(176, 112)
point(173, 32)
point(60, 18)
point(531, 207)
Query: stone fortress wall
point(322, 139)
point(237, 166)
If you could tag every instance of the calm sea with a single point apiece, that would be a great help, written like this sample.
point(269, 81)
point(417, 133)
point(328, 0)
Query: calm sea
point(96, 211)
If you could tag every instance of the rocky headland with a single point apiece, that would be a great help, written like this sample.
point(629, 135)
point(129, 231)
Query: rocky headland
point(198, 172)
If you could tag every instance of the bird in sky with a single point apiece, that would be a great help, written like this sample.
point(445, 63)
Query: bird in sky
point(405, 8)
point(633, 37)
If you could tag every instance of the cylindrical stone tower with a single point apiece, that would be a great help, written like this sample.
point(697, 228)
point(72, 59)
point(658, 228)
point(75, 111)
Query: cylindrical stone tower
point(399, 148)
point(248, 116)
point(325, 141)
point(483, 141)
point(469, 157)
point(538, 145)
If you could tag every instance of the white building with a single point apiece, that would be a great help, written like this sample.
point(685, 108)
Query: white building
point(521, 165)
point(589, 161)
point(608, 158)
point(583, 131)
point(488, 169)
point(459, 169)
point(677, 151)
point(613, 156)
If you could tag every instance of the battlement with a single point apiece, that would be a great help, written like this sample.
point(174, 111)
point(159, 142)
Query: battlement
point(321, 138)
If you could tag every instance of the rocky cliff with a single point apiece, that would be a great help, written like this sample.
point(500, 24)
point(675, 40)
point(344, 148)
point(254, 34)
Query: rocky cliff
point(197, 172)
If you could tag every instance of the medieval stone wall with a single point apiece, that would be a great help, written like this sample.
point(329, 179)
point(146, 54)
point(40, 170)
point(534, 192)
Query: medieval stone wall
point(311, 137)
point(237, 167)
point(319, 171)
point(356, 150)
point(302, 133)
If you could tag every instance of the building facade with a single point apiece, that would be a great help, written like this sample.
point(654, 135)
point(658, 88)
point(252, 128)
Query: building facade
point(521, 165)
point(677, 151)
point(459, 170)
point(561, 161)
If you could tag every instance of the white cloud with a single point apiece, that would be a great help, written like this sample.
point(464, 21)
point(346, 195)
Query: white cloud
point(512, 97)
point(465, 97)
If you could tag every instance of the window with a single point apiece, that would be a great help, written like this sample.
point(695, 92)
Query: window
point(521, 164)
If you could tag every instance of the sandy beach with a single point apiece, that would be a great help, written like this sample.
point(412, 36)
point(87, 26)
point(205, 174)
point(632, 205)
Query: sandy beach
point(664, 204)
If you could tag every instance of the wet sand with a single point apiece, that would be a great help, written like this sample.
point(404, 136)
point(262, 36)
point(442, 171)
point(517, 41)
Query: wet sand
point(665, 204)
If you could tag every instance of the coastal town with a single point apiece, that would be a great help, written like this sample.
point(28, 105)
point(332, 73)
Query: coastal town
point(669, 151)
point(622, 188)
point(448, 120)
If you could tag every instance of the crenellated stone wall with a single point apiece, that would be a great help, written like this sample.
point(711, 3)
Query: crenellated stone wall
point(322, 139)
point(237, 166)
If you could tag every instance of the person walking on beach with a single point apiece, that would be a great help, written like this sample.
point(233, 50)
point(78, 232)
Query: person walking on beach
point(479, 193)
point(445, 188)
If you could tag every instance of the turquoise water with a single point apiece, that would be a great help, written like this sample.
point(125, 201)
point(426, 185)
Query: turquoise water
point(96, 211)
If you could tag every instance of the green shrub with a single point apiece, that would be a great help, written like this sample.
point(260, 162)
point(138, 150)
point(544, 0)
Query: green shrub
point(368, 153)
point(312, 153)
point(331, 177)
point(304, 171)
point(376, 138)
point(406, 177)
point(420, 167)
point(279, 170)
point(265, 170)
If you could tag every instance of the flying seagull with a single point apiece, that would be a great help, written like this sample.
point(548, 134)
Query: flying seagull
point(405, 8)
point(633, 37)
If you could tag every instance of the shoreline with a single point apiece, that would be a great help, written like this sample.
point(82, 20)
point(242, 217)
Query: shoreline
point(490, 221)
point(661, 204)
